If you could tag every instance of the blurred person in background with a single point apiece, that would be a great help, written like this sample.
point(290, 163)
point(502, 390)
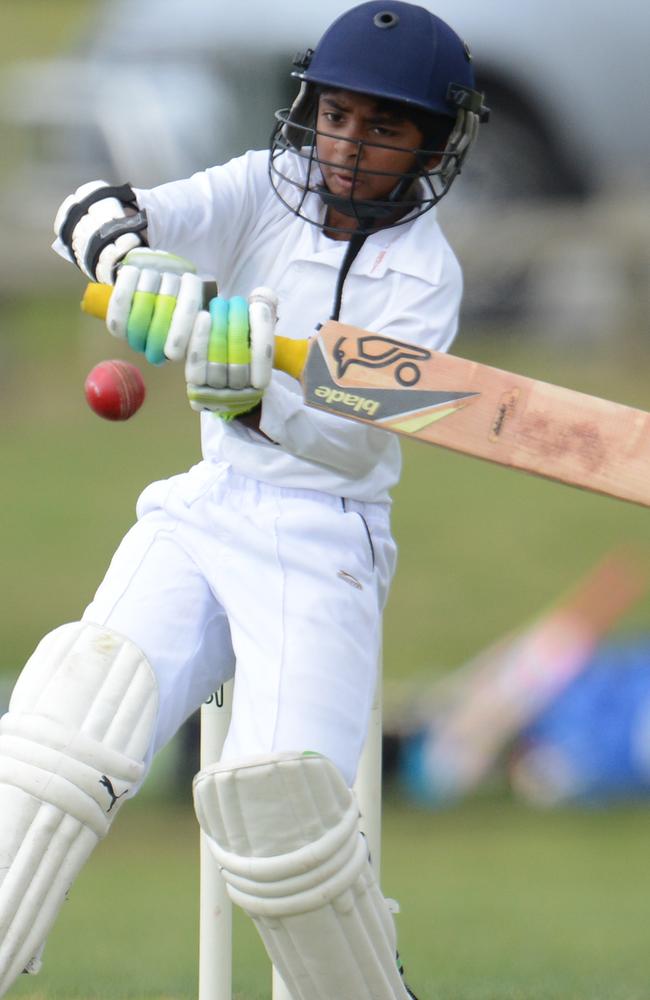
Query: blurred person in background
point(589, 745)
point(574, 721)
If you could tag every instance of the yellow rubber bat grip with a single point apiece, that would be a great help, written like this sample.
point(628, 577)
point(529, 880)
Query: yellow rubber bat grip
point(290, 355)
point(95, 299)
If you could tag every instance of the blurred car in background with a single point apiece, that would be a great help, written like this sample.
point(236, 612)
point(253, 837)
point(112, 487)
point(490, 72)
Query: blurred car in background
point(160, 89)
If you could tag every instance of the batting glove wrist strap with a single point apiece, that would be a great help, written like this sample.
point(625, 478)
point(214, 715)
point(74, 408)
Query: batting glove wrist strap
point(77, 209)
point(110, 238)
point(97, 226)
point(224, 403)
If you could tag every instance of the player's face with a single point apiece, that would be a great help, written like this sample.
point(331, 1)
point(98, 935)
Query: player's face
point(363, 151)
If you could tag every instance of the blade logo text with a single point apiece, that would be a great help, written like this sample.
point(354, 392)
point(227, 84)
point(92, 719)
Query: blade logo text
point(351, 400)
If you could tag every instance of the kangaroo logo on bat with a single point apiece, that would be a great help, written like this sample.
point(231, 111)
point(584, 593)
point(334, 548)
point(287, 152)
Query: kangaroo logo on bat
point(374, 351)
point(399, 407)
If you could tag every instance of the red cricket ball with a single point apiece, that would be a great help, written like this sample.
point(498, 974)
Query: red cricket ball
point(115, 390)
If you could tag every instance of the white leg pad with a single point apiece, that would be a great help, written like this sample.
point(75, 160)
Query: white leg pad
point(285, 832)
point(72, 746)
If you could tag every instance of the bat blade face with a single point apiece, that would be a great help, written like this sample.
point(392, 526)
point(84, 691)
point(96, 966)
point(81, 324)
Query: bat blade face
point(376, 379)
point(499, 416)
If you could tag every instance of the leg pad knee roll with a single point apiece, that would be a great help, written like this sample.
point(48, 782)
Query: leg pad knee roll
point(285, 832)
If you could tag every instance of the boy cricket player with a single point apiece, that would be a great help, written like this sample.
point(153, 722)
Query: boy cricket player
point(271, 559)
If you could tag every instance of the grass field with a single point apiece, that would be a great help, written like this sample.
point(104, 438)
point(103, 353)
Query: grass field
point(499, 902)
point(34, 28)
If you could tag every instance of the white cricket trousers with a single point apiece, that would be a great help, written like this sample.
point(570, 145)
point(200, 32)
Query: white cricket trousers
point(283, 588)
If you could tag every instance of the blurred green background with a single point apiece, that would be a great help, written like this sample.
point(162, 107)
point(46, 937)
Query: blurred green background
point(499, 901)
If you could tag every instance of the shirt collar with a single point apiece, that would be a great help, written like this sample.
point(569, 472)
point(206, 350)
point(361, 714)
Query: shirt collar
point(416, 248)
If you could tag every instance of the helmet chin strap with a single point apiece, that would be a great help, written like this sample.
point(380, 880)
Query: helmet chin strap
point(352, 250)
point(365, 210)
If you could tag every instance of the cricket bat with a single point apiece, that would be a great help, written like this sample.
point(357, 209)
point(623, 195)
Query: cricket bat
point(471, 716)
point(468, 407)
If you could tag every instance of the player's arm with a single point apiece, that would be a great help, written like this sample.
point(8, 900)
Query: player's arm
point(428, 316)
point(157, 297)
point(200, 217)
point(206, 217)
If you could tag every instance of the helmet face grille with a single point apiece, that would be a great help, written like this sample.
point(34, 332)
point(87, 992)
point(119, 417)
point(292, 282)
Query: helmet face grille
point(302, 189)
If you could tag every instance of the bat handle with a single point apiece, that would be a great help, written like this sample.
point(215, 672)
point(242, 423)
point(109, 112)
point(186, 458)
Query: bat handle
point(95, 299)
point(290, 355)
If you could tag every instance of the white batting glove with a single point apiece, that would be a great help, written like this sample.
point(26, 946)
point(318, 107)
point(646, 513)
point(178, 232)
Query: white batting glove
point(97, 226)
point(155, 304)
point(230, 355)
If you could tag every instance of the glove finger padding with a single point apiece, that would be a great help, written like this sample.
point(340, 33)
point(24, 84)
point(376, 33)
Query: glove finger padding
point(263, 315)
point(229, 363)
point(229, 347)
point(155, 304)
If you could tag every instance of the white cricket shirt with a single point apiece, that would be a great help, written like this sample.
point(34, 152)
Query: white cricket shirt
point(405, 283)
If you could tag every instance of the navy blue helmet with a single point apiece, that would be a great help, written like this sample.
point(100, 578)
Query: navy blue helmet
point(394, 52)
